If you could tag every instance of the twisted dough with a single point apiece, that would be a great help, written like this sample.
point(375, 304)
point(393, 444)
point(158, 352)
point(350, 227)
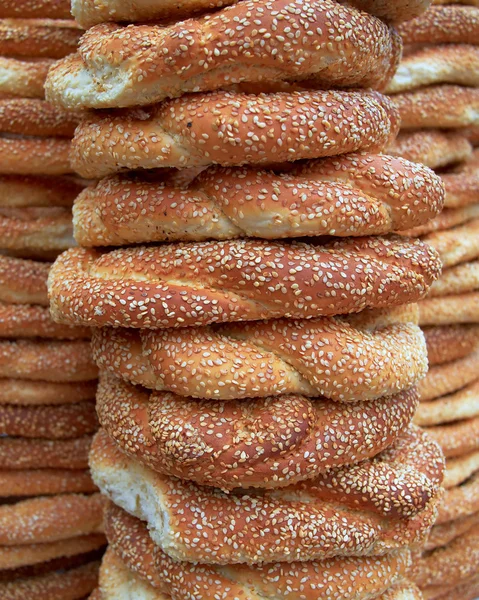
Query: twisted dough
point(266, 443)
point(42, 38)
point(251, 41)
point(206, 282)
point(458, 64)
point(331, 357)
point(443, 25)
point(24, 78)
point(441, 106)
point(30, 393)
point(22, 453)
point(337, 514)
point(27, 191)
point(233, 129)
point(357, 194)
point(126, 562)
point(432, 148)
point(35, 9)
point(23, 281)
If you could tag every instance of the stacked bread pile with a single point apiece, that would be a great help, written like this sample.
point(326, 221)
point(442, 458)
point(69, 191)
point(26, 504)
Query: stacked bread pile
point(256, 392)
point(437, 92)
point(50, 509)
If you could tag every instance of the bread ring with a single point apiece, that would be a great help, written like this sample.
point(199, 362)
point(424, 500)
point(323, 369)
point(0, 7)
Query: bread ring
point(21, 453)
point(449, 377)
point(233, 129)
point(460, 468)
point(271, 361)
point(24, 320)
point(206, 282)
point(441, 106)
point(457, 64)
point(137, 65)
point(24, 78)
point(71, 584)
point(467, 590)
point(450, 342)
point(351, 195)
point(56, 361)
point(396, 12)
point(44, 482)
point(457, 245)
point(460, 501)
point(457, 439)
point(443, 25)
point(449, 218)
point(462, 188)
point(434, 149)
point(238, 448)
point(51, 518)
point(457, 280)
point(459, 308)
point(22, 392)
point(462, 404)
point(126, 568)
point(34, 156)
point(13, 557)
point(338, 513)
point(23, 281)
point(42, 38)
point(27, 191)
point(441, 535)
point(35, 9)
point(34, 117)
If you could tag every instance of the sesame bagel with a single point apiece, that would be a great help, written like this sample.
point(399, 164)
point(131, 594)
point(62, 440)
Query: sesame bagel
point(450, 342)
point(39, 38)
point(264, 359)
point(233, 129)
point(439, 106)
point(460, 501)
point(459, 279)
point(459, 405)
point(441, 535)
point(35, 9)
point(447, 310)
point(34, 155)
point(126, 562)
point(252, 443)
point(62, 422)
point(338, 513)
point(449, 218)
point(24, 77)
point(457, 245)
point(466, 590)
point(458, 438)
point(42, 228)
point(449, 377)
point(44, 482)
point(34, 117)
point(47, 360)
point(26, 191)
point(139, 65)
point(22, 392)
point(23, 281)
point(205, 282)
point(24, 321)
point(358, 194)
point(432, 148)
point(443, 25)
point(26, 453)
point(460, 469)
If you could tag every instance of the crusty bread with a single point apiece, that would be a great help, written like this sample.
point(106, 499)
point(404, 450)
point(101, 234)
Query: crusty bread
point(457, 245)
point(460, 469)
point(356, 194)
point(457, 439)
point(450, 217)
point(24, 392)
point(23, 281)
point(22, 483)
point(447, 310)
point(24, 77)
point(35, 9)
point(26, 321)
point(35, 117)
point(266, 443)
point(203, 362)
point(441, 535)
point(443, 25)
point(438, 106)
point(336, 514)
point(459, 279)
point(449, 377)
point(465, 590)
point(450, 342)
point(34, 156)
point(333, 46)
point(460, 501)
point(27, 191)
point(24, 453)
point(433, 148)
point(134, 565)
point(233, 129)
point(199, 283)
point(456, 406)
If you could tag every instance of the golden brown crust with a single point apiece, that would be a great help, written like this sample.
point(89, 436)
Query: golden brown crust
point(472, 133)
point(23, 281)
point(460, 468)
point(454, 64)
point(39, 38)
point(443, 25)
point(433, 148)
point(72, 584)
point(24, 321)
point(457, 245)
point(266, 443)
point(13, 557)
point(51, 518)
point(34, 156)
point(22, 77)
point(462, 188)
point(449, 377)
point(203, 362)
point(446, 310)
point(466, 590)
point(30, 393)
point(34, 117)
point(27, 191)
point(457, 439)
point(450, 342)
point(119, 66)
point(44, 482)
point(449, 218)
point(358, 194)
point(462, 404)
point(65, 421)
point(47, 360)
point(441, 106)
point(35, 9)
point(233, 129)
point(21, 453)
point(338, 513)
point(441, 535)
point(206, 282)
point(396, 12)
point(460, 501)
point(456, 280)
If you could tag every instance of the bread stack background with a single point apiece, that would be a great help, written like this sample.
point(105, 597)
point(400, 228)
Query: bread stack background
point(50, 510)
point(436, 90)
point(255, 322)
